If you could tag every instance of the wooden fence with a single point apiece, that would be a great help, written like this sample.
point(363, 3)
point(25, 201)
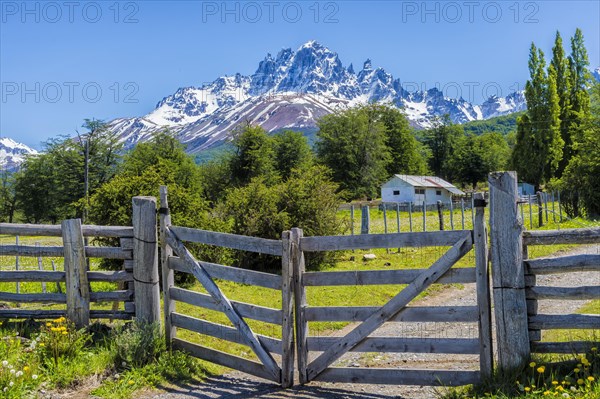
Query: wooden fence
point(396, 310)
point(514, 287)
point(518, 324)
point(560, 264)
point(76, 274)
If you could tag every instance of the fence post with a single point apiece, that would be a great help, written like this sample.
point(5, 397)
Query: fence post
point(352, 219)
point(483, 287)
point(78, 289)
point(300, 305)
point(508, 277)
point(287, 317)
point(364, 220)
point(540, 209)
point(145, 260)
point(440, 215)
point(168, 275)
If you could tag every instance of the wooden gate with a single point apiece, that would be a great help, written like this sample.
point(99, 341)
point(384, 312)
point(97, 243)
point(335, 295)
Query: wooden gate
point(264, 347)
point(371, 318)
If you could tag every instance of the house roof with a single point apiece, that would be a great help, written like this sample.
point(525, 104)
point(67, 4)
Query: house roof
point(429, 181)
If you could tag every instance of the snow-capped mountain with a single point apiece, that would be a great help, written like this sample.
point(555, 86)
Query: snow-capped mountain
point(292, 91)
point(12, 154)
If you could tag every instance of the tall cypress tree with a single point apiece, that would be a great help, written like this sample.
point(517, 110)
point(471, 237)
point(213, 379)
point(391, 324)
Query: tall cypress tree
point(530, 153)
point(552, 126)
point(561, 67)
point(579, 84)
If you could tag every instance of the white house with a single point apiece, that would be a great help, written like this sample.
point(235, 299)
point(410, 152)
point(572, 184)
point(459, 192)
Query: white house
point(418, 190)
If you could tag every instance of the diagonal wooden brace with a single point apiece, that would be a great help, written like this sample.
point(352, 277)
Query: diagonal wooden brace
point(390, 309)
point(210, 286)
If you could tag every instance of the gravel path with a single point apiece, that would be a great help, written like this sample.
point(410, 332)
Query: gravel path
point(235, 385)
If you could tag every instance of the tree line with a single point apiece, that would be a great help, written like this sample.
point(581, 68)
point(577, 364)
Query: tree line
point(557, 138)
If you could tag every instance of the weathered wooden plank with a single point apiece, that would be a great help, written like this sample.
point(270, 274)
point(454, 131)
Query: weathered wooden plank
point(55, 313)
point(247, 310)
point(31, 250)
point(145, 269)
point(111, 296)
point(539, 292)
point(224, 359)
point(439, 267)
point(357, 375)
point(108, 314)
point(110, 276)
point(465, 346)
point(589, 235)
point(205, 279)
point(571, 347)
point(109, 253)
point(31, 313)
point(408, 314)
point(382, 277)
point(55, 230)
point(483, 287)
point(287, 311)
point(107, 231)
point(567, 321)
point(508, 274)
point(31, 276)
point(230, 273)
point(168, 275)
point(78, 292)
point(56, 251)
point(49, 297)
point(234, 241)
point(300, 304)
point(563, 264)
point(368, 241)
point(221, 331)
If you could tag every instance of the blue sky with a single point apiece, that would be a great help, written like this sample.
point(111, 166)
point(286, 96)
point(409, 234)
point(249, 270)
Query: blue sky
point(61, 62)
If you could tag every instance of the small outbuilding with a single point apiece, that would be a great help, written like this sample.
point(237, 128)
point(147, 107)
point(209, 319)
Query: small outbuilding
point(525, 189)
point(418, 190)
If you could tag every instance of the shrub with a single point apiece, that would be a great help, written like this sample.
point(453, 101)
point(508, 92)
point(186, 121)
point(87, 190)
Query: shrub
point(137, 345)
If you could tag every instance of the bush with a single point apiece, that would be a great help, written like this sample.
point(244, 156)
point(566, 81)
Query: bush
point(137, 345)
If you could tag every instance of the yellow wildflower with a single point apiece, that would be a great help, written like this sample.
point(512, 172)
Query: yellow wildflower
point(594, 349)
point(532, 364)
point(590, 378)
point(546, 393)
point(64, 333)
point(541, 369)
point(130, 382)
point(527, 389)
point(48, 324)
point(42, 344)
point(580, 381)
point(26, 368)
point(554, 382)
point(576, 370)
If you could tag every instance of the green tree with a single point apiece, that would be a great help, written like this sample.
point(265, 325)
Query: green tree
point(291, 151)
point(562, 76)
point(405, 152)
point(8, 199)
point(444, 141)
point(62, 166)
point(252, 156)
point(352, 144)
point(539, 145)
point(581, 180)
